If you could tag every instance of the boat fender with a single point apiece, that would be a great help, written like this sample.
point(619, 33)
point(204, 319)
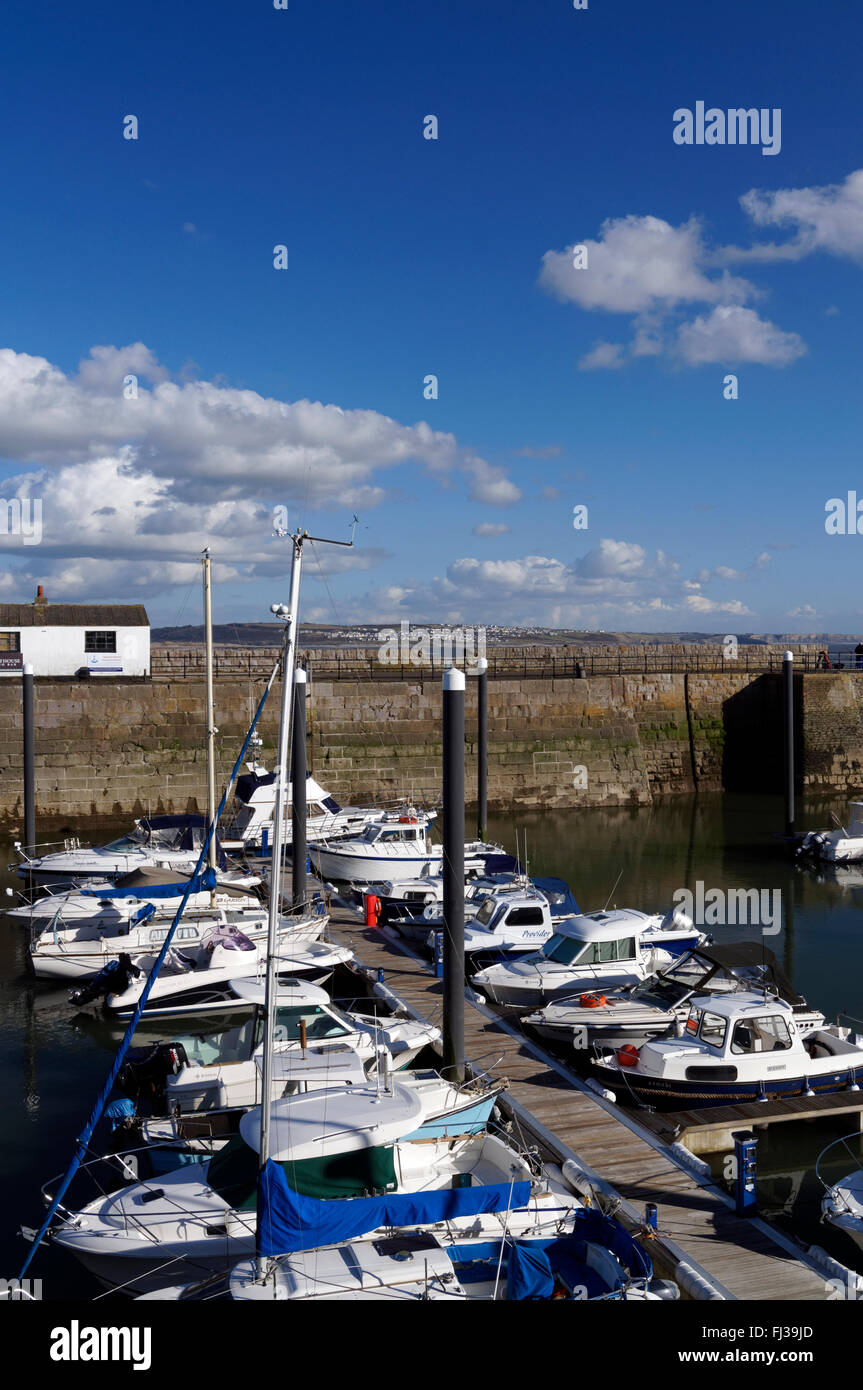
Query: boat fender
point(597, 1087)
point(694, 1283)
point(592, 1001)
point(578, 1182)
point(690, 1160)
point(373, 909)
point(841, 1277)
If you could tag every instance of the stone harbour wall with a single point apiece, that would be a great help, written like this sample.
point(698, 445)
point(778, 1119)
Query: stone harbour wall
point(110, 750)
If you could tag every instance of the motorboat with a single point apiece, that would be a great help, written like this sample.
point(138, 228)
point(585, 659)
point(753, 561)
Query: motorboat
point(202, 981)
point(736, 1047)
point(591, 952)
point(514, 915)
point(842, 1203)
point(838, 845)
point(660, 1003)
point(414, 905)
point(81, 951)
point(196, 1073)
point(116, 902)
point(164, 842)
point(250, 827)
point(328, 1144)
point(394, 848)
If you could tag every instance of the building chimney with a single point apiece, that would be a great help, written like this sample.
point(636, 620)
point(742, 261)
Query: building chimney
point(40, 594)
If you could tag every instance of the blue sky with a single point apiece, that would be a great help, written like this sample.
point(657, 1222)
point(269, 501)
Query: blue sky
point(409, 257)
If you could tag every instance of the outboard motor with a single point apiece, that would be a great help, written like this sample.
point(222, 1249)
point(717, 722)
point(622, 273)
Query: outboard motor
point(145, 1071)
point(113, 978)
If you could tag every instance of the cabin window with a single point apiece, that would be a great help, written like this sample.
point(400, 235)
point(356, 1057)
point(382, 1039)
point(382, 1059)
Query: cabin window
point(485, 913)
point(158, 934)
point(713, 1029)
point(767, 1034)
point(10, 641)
point(100, 641)
point(525, 917)
point(318, 1025)
point(562, 949)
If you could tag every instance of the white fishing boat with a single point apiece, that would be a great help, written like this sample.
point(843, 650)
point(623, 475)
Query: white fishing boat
point(83, 951)
point(734, 1048)
point(590, 953)
point(349, 1142)
point(195, 1073)
point(840, 845)
point(250, 827)
point(395, 848)
point(501, 918)
point(659, 1004)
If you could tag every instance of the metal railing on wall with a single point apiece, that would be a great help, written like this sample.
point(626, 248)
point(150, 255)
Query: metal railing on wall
point(351, 666)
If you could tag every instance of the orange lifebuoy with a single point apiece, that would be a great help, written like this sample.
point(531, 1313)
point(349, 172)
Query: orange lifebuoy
point(408, 820)
point(592, 1001)
point(627, 1055)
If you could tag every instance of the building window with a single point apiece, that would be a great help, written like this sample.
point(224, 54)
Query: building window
point(10, 641)
point(100, 641)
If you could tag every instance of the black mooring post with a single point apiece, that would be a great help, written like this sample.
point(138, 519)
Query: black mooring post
point(453, 874)
point(29, 762)
point(788, 705)
point(299, 849)
point(481, 747)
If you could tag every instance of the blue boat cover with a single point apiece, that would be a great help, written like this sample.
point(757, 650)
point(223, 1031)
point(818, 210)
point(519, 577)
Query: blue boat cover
point(200, 883)
point(290, 1222)
point(528, 1272)
point(560, 896)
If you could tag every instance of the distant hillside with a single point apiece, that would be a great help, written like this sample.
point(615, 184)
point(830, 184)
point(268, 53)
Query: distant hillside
point(366, 635)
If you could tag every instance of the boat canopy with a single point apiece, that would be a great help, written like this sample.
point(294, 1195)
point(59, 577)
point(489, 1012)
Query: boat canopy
point(561, 898)
point(747, 958)
point(290, 1221)
point(152, 882)
point(251, 782)
point(335, 1121)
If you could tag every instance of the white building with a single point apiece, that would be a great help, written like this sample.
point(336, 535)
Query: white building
point(69, 639)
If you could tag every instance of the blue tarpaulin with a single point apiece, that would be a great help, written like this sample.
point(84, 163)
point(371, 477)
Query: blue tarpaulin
point(200, 883)
point(290, 1222)
point(528, 1272)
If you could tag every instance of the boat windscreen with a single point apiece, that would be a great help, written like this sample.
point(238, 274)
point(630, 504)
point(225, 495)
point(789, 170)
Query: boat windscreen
point(563, 950)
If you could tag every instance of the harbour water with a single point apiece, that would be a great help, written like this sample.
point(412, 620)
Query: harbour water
point(52, 1064)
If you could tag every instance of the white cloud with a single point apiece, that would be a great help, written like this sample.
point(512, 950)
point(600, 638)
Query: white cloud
point(603, 356)
point(827, 218)
point(731, 333)
point(152, 476)
point(491, 528)
point(805, 610)
point(698, 603)
point(639, 264)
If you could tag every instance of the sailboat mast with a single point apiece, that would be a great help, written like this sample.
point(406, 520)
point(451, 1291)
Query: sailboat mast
point(289, 614)
point(211, 723)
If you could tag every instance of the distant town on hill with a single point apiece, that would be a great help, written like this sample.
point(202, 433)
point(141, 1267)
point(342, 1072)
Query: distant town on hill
point(368, 635)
